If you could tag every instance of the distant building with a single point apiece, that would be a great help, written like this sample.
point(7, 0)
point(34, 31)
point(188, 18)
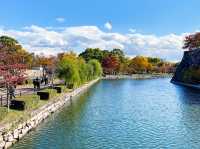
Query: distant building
point(34, 72)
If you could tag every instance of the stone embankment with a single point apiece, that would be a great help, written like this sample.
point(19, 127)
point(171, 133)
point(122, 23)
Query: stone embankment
point(138, 76)
point(8, 138)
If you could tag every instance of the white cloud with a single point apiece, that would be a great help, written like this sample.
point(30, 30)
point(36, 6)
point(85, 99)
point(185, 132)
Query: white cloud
point(51, 41)
point(108, 25)
point(132, 30)
point(60, 19)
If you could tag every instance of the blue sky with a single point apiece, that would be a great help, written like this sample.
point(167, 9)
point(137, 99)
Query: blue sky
point(157, 18)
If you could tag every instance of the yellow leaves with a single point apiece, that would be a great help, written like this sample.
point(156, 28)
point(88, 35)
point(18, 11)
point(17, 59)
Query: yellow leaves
point(140, 63)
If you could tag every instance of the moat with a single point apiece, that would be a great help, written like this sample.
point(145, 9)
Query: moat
point(150, 113)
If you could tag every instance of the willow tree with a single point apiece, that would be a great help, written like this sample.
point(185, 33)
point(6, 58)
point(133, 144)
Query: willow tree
point(68, 71)
point(97, 69)
point(82, 70)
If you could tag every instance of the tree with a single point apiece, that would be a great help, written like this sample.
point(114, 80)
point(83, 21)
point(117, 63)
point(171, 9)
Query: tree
point(140, 64)
point(192, 41)
point(12, 66)
point(110, 64)
point(97, 69)
point(75, 71)
point(68, 71)
point(154, 60)
point(90, 53)
point(119, 53)
point(83, 70)
point(9, 44)
point(11, 62)
point(48, 65)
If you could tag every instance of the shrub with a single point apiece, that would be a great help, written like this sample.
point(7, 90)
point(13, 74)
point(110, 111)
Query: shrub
point(43, 95)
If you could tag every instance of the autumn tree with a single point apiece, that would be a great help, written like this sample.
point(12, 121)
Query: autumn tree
point(118, 53)
point(12, 67)
point(140, 64)
point(192, 41)
point(110, 64)
point(48, 64)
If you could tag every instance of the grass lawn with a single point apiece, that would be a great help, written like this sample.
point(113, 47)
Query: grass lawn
point(32, 102)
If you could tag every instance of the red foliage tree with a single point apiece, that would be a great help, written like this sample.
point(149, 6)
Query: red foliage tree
point(11, 71)
point(12, 67)
point(110, 64)
point(192, 41)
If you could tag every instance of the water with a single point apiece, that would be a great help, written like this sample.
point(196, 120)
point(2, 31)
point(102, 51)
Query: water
point(123, 114)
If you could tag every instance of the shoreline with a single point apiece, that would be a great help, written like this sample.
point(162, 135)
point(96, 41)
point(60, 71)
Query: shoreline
point(10, 135)
point(186, 84)
point(137, 76)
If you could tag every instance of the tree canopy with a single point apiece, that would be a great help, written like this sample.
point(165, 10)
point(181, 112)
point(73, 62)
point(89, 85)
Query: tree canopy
point(90, 53)
point(75, 71)
point(12, 62)
point(192, 41)
point(140, 64)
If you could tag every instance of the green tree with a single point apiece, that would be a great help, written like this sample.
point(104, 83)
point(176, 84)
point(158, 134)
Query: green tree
point(9, 44)
point(154, 60)
point(119, 53)
point(97, 69)
point(83, 72)
point(90, 53)
point(68, 71)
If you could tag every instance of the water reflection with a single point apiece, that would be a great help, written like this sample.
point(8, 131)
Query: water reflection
point(188, 95)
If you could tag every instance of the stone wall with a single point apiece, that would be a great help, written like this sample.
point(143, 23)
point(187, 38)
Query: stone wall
point(7, 139)
point(190, 58)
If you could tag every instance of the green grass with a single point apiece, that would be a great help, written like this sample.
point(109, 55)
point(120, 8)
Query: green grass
point(32, 102)
point(4, 112)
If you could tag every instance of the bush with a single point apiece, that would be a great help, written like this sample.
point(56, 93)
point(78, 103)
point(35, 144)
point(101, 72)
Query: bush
point(31, 101)
point(43, 95)
point(17, 105)
point(58, 89)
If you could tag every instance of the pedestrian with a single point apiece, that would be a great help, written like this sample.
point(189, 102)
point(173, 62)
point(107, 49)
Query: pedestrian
point(46, 80)
point(12, 92)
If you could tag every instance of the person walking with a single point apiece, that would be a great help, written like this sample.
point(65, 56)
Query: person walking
point(12, 92)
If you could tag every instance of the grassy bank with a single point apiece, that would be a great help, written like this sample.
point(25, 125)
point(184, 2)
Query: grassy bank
point(32, 102)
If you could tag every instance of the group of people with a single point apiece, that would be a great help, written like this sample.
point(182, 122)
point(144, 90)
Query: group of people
point(37, 82)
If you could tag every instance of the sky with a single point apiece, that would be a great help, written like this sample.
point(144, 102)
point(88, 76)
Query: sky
point(138, 27)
